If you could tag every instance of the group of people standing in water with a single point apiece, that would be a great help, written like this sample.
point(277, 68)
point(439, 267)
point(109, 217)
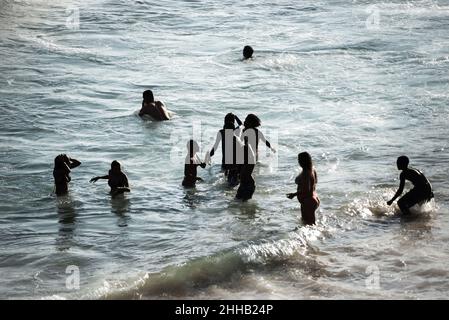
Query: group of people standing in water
point(240, 146)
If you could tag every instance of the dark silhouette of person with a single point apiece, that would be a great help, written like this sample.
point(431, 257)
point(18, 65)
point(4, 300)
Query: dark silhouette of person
point(306, 192)
point(247, 52)
point(247, 184)
point(155, 109)
point(228, 148)
point(192, 161)
point(421, 191)
point(117, 179)
point(61, 173)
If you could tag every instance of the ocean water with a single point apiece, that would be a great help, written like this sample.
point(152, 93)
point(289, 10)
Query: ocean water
point(355, 83)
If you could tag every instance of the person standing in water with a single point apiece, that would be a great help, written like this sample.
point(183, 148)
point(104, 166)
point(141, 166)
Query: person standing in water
point(228, 148)
point(306, 193)
point(155, 109)
point(61, 173)
point(251, 124)
point(117, 179)
point(247, 52)
point(247, 184)
point(191, 163)
point(422, 189)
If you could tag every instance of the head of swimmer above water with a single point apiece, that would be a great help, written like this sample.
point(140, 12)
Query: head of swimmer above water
point(305, 160)
point(148, 96)
point(116, 167)
point(61, 160)
point(247, 52)
point(402, 162)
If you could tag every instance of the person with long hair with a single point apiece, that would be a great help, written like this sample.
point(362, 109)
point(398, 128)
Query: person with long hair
point(306, 192)
point(61, 173)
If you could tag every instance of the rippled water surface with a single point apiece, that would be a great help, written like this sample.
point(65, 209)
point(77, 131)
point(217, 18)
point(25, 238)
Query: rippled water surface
point(355, 83)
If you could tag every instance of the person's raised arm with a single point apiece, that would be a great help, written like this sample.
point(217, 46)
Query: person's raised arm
point(239, 122)
point(399, 192)
point(95, 179)
point(73, 163)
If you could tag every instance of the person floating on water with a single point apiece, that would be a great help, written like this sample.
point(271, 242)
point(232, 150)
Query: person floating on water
point(251, 123)
point(191, 163)
point(247, 183)
point(155, 109)
point(228, 148)
point(117, 179)
point(247, 52)
point(306, 193)
point(422, 189)
point(61, 173)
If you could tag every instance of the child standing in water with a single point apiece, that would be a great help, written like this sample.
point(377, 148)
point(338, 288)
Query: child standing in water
point(191, 163)
point(61, 173)
point(422, 189)
point(306, 193)
point(117, 180)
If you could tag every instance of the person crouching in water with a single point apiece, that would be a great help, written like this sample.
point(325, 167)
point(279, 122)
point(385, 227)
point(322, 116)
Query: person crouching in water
point(306, 193)
point(61, 173)
point(155, 109)
point(117, 180)
point(247, 183)
point(422, 189)
point(191, 163)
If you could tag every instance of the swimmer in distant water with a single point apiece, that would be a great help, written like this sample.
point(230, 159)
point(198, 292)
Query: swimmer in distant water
point(117, 180)
point(422, 189)
point(306, 193)
point(191, 163)
point(247, 52)
point(251, 123)
point(155, 109)
point(61, 173)
point(228, 145)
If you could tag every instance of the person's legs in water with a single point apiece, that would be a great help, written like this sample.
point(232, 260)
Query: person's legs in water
point(308, 208)
point(247, 183)
point(412, 198)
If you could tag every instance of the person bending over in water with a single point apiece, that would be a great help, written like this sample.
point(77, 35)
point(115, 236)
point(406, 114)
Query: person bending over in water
point(306, 193)
point(117, 180)
point(155, 109)
point(61, 173)
point(247, 52)
point(228, 145)
point(422, 189)
point(247, 183)
point(252, 122)
point(191, 163)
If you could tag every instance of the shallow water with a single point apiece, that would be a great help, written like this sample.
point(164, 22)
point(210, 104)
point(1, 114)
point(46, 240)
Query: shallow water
point(326, 78)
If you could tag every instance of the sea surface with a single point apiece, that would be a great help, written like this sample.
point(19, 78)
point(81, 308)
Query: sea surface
point(354, 83)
